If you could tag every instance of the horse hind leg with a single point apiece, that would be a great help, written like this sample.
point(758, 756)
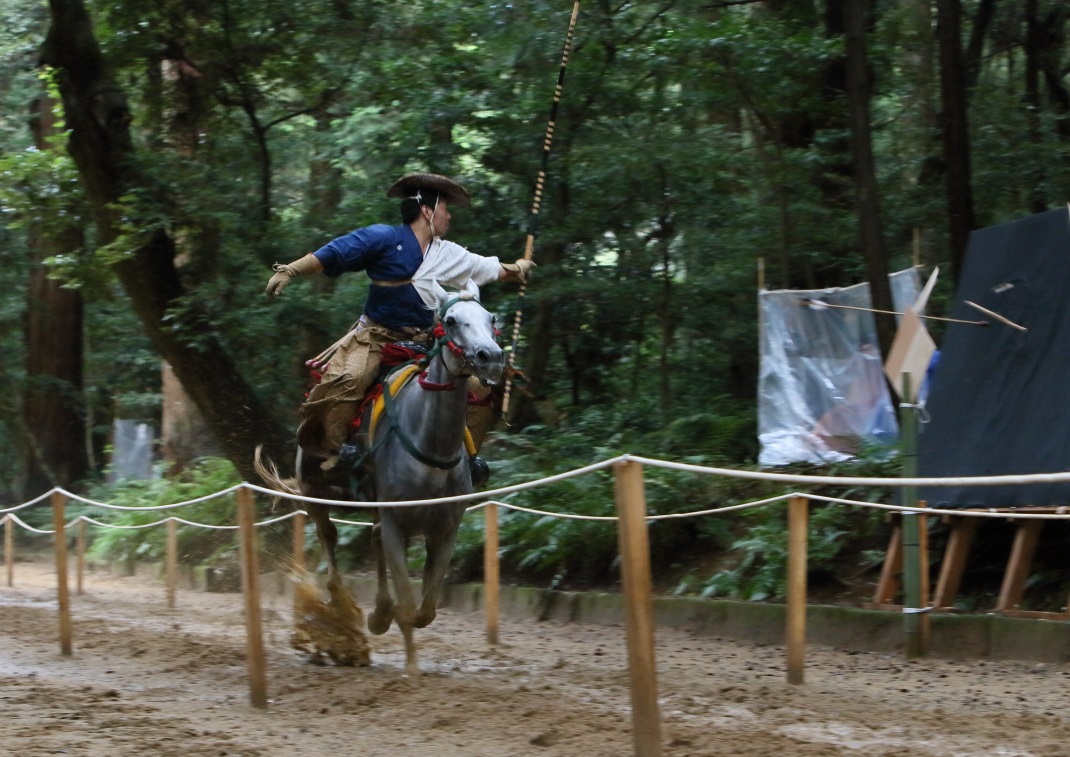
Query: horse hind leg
point(383, 614)
point(412, 666)
point(328, 538)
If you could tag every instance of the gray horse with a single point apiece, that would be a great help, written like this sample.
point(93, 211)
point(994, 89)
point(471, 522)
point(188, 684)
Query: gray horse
point(418, 452)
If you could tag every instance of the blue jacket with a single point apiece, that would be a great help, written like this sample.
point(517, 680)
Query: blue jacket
point(386, 253)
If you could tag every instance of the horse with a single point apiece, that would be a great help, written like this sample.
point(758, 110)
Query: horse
point(416, 452)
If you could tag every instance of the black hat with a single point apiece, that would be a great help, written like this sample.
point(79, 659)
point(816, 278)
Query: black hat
point(410, 185)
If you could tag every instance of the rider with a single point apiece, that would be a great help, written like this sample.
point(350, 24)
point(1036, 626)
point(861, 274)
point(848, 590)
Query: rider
point(402, 262)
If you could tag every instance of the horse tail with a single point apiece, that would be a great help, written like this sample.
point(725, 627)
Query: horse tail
point(270, 474)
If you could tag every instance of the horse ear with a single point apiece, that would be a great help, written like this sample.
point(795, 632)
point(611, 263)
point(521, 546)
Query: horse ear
point(473, 289)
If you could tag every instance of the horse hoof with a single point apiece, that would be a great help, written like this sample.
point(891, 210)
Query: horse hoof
point(480, 471)
point(423, 620)
point(379, 621)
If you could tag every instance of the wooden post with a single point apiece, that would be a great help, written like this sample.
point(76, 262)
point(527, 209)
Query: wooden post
point(172, 561)
point(9, 549)
point(250, 582)
point(80, 544)
point(491, 572)
point(1026, 538)
point(798, 518)
point(298, 557)
point(635, 576)
point(64, 600)
point(298, 549)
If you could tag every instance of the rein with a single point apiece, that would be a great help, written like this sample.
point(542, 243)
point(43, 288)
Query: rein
point(389, 408)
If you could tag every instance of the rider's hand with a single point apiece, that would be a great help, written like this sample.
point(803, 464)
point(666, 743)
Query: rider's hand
point(521, 269)
point(283, 274)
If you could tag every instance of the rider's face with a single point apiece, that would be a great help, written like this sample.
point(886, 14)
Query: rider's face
point(439, 217)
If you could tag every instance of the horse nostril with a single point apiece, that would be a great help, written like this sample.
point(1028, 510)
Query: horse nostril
point(483, 356)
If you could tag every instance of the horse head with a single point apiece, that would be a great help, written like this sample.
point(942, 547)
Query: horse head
point(469, 337)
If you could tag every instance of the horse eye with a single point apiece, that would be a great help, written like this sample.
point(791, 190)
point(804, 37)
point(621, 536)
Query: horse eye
point(451, 321)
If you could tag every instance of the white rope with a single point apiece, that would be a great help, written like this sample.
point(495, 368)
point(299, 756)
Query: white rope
point(31, 503)
point(441, 500)
point(148, 508)
point(651, 462)
point(1031, 478)
point(16, 521)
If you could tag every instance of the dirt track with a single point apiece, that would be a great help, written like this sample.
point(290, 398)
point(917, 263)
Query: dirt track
point(145, 680)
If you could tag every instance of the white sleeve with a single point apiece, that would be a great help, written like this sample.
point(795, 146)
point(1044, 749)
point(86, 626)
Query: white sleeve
point(453, 267)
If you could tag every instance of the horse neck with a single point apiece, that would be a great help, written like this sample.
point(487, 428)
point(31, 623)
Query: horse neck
point(435, 417)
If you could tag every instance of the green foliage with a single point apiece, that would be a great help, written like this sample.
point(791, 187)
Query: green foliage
point(195, 545)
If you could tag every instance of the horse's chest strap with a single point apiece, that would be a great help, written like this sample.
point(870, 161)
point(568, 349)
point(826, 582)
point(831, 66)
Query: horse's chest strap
point(433, 386)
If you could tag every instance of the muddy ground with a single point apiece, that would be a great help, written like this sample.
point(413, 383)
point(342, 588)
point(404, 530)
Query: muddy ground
point(146, 680)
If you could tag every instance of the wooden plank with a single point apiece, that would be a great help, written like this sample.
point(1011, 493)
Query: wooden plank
point(491, 571)
point(795, 633)
point(638, 590)
point(888, 584)
point(959, 542)
point(250, 580)
point(1018, 566)
point(62, 595)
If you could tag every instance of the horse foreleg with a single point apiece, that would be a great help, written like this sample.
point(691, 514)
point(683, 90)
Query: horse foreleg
point(328, 537)
point(383, 614)
point(439, 551)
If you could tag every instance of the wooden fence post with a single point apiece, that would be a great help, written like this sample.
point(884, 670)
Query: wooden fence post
point(250, 582)
point(298, 556)
point(795, 633)
point(63, 598)
point(9, 549)
point(491, 571)
point(172, 561)
point(80, 547)
point(635, 575)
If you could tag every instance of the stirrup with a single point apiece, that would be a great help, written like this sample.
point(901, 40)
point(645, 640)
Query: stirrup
point(479, 469)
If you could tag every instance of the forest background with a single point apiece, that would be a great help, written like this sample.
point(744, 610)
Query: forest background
point(158, 157)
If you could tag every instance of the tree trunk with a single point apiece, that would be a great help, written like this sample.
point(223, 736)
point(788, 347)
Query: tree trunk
point(98, 117)
point(955, 128)
point(53, 404)
point(867, 193)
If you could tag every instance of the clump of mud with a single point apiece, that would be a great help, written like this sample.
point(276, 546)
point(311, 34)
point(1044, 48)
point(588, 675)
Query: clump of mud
point(331, 627)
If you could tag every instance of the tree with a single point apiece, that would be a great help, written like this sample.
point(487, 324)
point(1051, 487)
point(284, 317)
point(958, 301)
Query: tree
point(867, 191)
point(98, 117)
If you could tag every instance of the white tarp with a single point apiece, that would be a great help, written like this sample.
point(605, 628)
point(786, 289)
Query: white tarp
point(821, 387)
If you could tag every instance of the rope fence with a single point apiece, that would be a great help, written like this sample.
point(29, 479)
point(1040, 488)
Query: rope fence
point(631, 518)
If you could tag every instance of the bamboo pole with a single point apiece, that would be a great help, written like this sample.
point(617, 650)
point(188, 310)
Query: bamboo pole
point(62, 595)
point(540, 180)
point(172, 561)
point(250, 582)
point(9, 549)
point(80, 546)
point(795, 633)
point(912, 573)
point(925, 627)
point(491, 571)
point(635, 576)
